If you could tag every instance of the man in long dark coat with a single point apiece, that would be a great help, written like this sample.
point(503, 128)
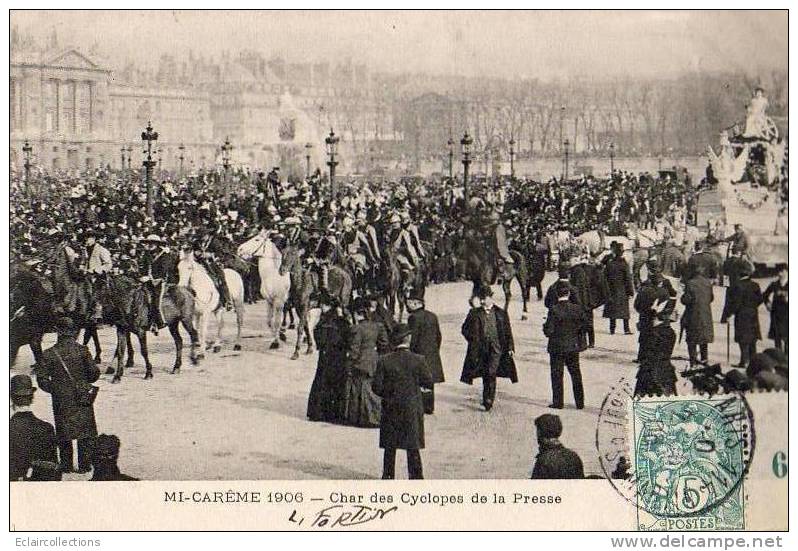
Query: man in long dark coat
point(697, 318)
point(565, 326)
point(398, 381)
point(703, 259)
point(619, 289)
point(776, 300)
point(490, 346)
point(742, 302)
point(537, 264)
point(65, 372)
point(426, 338)
point(581, 287)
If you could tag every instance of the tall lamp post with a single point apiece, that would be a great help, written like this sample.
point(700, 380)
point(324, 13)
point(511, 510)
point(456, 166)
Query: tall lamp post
point(122, 151)
point(612, 158)
point(450, 143)
point(181, 158)
point(27, 149)
point(331, 142)
point(226, 149)
point(308, 147)
point(465, 148)
point(129, 158)
point(565, 144)
point(512, 157)
point(149, 136)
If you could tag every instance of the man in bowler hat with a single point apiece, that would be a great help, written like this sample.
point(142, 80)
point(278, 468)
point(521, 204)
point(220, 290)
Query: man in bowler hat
point(32, 448)
point(398, 381)
point(554, 460)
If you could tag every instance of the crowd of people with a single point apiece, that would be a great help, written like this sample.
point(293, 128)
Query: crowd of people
point(371, 371)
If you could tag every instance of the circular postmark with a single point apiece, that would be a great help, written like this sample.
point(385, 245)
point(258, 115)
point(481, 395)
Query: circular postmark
point(676, 456)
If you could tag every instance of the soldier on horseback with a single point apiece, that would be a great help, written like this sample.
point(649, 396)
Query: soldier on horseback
point(213, 266)
point(68, 277)
point(401, 241)
point(152, 249)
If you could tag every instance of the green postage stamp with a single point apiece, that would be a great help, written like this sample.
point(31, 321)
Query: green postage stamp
point(690, 460)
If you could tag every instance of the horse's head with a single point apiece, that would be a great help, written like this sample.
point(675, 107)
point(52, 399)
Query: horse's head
point(185, 268)
point(290, 259)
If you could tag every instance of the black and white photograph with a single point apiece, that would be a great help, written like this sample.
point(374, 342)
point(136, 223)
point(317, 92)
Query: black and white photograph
point(370, 245)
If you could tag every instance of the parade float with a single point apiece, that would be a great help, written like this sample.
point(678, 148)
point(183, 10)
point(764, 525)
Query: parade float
point(749, 170)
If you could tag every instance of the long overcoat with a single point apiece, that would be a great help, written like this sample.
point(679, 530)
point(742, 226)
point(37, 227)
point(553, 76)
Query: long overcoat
point(697, 318)
point(477, 361)
point(777, 294)
point(619, 289)
point(742, 302)
point(656, 375)
point(73, 420)
point(398, 381)
point(426, 341)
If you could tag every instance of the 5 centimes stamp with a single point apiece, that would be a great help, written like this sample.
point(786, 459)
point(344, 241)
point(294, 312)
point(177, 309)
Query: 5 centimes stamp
point(690, 458)
point(681, 461)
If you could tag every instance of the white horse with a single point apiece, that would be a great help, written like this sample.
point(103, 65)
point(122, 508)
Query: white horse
point(206, 299)
point(274, 288)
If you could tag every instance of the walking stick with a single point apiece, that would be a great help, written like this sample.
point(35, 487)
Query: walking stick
point(728, 345)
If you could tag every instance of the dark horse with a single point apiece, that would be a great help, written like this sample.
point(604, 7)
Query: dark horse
point(305, 285)
point(130, 306)
point(35, 308)
point(484, 268)
point(400, 282)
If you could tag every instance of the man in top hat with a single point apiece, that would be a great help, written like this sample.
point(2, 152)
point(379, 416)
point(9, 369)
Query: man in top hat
point(742, 302)
point(66, 371)
point(490, 346)
point(554, 461)
point(32, 448)
point(398, 381)
point(426, 336)
point(104, 460)
point(566, 326)
point(619, 289)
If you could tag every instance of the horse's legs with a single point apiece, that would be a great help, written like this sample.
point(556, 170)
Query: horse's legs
point(308, 334)
point(129, 341)
point(201, 324)
point(121, 339)
point(300, 327)
point(35, 347)
point(174, 329)
point(142, 336)
point(217, 342)
point(96, 338)
point(274, 325)
point(192, 333)
point(239, 309)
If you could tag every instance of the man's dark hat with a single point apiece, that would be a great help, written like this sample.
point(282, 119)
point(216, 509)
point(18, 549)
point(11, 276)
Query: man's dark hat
point(746, 269)
point(484, 291)
point(400, 332)
point(21, 385)
point(65, 326)
point(106, 447)
point(416, 294)
point(549, 425)
point(359, 305)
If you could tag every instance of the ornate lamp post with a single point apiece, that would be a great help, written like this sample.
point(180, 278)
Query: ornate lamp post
point(465, 148)
point(612, 157)
point(181, 158)
point(27, 149)
point(331, 142)
point(308, 147)
point(450, 143)
point(226, 149)
point(566, 143)
point(129, 157)
point(149, 135)
point(512, 157)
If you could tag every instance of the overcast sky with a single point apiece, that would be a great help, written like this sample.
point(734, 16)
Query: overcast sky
point(525, 44)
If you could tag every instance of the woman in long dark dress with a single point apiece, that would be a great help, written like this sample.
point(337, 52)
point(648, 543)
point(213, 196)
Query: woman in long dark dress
point(775, 298)
point(656, 375)
point(332, 334)
point(369, 338)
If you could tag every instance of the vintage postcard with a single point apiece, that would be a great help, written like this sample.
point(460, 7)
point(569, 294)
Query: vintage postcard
point(398, 270)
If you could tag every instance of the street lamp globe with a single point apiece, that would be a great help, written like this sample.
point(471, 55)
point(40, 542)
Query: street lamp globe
point(331, 142)
point(465, 145)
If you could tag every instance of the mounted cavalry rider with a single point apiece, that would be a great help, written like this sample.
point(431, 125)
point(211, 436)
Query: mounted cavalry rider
point(67, 272)
point(741, 245)
point(356, 242)
point(368, 233)
point(412, 230)
point(99, 263)
point(400, 240)
point(213, 266)
point(153, 246)
point(498, 238)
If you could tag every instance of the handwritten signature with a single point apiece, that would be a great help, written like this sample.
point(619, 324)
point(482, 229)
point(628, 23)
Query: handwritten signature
point(343, 516)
